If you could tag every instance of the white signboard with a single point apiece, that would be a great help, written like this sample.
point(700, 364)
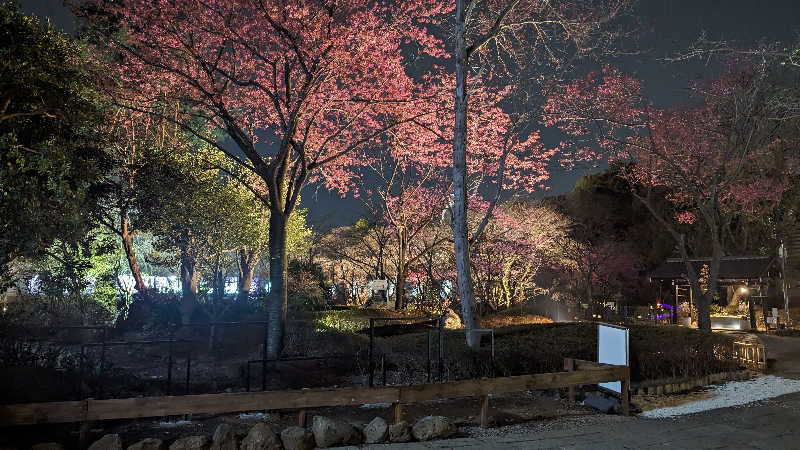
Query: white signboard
point(379, 285)
point(612, 348)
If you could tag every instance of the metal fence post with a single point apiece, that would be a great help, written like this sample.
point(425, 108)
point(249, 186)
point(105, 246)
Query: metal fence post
point(383, 368)
point(264, 358)
point(81, 371)
point(492, 361)
point(429, 356)
point(102, 364)
point(371, 352)
point(247, 383)
point(441, 349)
point(169, 364)
point(188, 368)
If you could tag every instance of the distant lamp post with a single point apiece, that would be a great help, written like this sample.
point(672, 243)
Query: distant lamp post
point(743, 290)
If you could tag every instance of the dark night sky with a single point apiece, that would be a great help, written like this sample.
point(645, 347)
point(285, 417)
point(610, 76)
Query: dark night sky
point(667, 26)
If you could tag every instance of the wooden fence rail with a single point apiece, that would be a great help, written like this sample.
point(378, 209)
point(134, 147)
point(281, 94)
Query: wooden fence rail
point(751, 354)
point(133, 408)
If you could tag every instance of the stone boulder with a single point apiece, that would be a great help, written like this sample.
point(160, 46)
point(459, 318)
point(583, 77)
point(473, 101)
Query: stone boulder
point(107, 442)
point(433, 427)
point(400, 432)
point(190, 443)
point(329, 432)
point(148, 444)
point(452, 321)
point(376, 431)
point(261, 437)
point(223, 438)
point(297, 438)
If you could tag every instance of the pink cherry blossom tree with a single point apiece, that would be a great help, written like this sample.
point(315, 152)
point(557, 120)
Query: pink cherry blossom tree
point(496, 38)
point(717, 158)
point(302, 89)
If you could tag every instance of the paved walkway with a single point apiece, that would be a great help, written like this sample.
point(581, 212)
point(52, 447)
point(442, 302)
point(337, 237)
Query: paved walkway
point(771, 424)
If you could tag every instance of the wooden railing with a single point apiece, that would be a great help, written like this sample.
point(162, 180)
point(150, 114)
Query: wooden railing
point(579, 373)
point(752, 355)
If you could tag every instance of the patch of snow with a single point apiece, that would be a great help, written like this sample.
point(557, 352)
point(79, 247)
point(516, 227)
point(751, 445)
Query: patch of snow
point(253, 416)
point(375, 405)
point(177, 423)
point(732, 393)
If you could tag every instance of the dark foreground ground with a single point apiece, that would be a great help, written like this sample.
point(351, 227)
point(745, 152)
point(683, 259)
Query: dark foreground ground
point(770, 424)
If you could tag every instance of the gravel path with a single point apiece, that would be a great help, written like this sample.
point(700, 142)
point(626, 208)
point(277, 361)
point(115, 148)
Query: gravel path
point(733, 393)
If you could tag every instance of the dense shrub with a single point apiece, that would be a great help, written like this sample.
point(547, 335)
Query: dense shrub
point(307, 286)
point(656, 351)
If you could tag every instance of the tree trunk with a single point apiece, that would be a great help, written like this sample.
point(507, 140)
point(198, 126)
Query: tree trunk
point(402, 268)
point(247, 263)
point(277, 298)
point(127, 245)
point(189, 278)
point(751, 310)
point(701, 302)
point(704, 301)
point(460, 232)
point(399, 289)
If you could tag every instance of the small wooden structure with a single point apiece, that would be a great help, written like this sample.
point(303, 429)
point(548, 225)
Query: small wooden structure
point(735, 272)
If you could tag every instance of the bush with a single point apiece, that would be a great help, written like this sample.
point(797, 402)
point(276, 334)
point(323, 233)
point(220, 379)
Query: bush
point(344, 321)
point(656, 351)
point(307, 287)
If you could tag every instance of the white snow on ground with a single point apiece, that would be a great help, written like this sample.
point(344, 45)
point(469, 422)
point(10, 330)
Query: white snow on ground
point(254, 416)
point(177, 423)
point(732, 393)
point(376, 405)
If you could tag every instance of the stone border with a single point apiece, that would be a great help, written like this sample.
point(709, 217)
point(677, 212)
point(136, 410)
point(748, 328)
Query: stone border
point(678, 385)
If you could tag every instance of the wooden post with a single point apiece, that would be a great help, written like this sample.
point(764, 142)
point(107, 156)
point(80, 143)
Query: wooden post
point(569, 366)
point(398, 412)
point(86, 426)
point(485, 411)
point(301, 419)
point(625, 388)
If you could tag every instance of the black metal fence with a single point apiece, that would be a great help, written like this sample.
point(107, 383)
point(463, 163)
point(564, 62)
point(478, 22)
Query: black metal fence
point(178, 351)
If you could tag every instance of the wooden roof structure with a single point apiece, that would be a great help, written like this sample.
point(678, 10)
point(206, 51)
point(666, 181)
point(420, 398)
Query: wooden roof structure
point(730, 268)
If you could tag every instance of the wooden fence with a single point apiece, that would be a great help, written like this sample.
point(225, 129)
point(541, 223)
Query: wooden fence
point(752, 355)
point(578, 373)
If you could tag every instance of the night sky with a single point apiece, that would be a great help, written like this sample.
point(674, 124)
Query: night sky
point(667, 26)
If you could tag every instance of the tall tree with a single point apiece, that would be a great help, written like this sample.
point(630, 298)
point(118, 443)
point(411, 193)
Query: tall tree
point(53, 168)
point(313, 82)
point(501, 35)
point(723, 157)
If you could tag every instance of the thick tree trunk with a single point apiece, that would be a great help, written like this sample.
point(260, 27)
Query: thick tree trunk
point(705, 298)
point(277, 298)
point(460, 231)
point(189, 277)
point(399, 289)
point(127, 245)
point(247, 263)
point(402, 269)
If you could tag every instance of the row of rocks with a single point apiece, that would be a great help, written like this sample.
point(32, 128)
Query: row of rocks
point(324, 432)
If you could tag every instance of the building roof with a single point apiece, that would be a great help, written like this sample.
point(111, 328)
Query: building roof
point(730, 267)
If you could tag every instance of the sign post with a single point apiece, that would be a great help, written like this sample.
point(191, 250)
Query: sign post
point(612, 348)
